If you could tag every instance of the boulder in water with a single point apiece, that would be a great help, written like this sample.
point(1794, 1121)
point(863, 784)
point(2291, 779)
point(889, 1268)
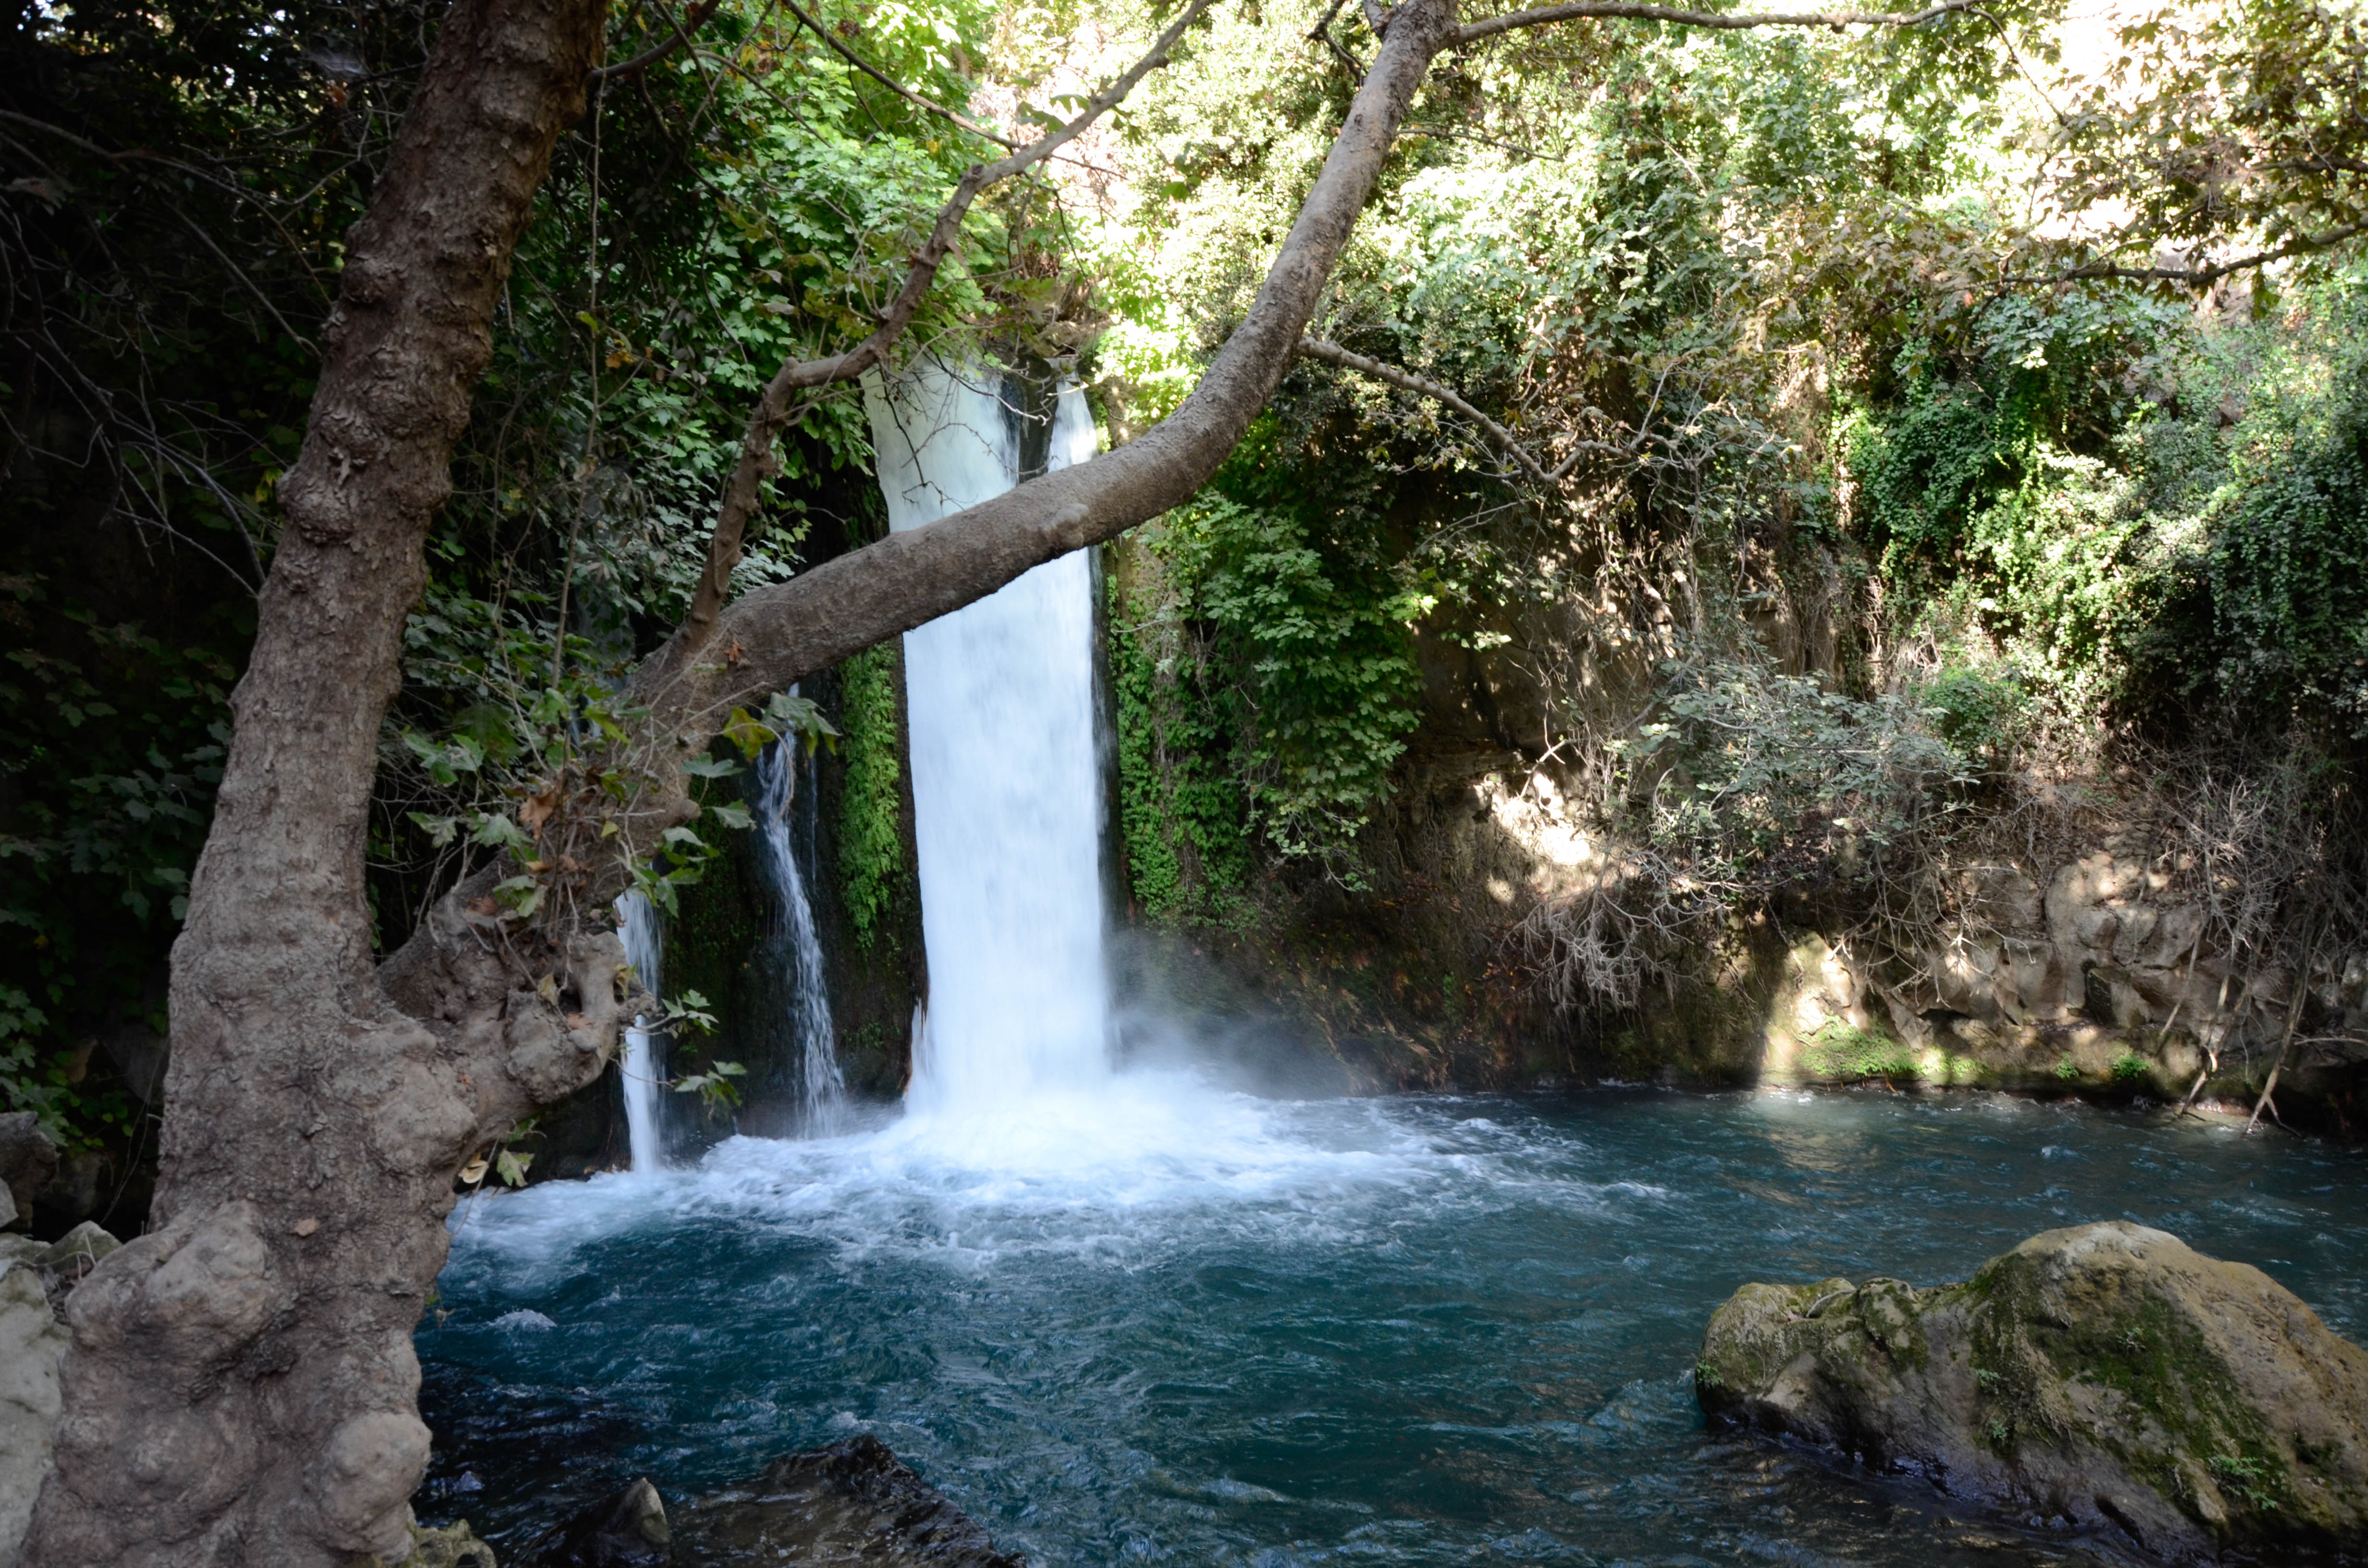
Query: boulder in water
point(2101, 1378)
point(625, 1531)
point(850, 1503)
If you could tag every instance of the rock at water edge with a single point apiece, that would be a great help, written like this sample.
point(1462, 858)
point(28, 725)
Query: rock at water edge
point(31, 1340)
point(626, 1531)
point(2100, 1378)
point(850, 1503)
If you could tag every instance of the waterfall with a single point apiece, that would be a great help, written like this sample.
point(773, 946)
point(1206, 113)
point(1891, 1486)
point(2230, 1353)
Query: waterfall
point(637, 923)
point(1006, 789)
point(791, 949)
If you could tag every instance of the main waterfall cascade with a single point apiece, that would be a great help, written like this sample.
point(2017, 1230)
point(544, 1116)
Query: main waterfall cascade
point(642, 1072)
point(1006, 788)
point(785, 816)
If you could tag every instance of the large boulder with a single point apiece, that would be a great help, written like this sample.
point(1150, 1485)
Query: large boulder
point(2101, 1378)
point(850, 1503)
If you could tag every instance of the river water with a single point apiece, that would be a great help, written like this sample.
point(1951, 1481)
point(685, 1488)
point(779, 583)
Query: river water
point(1163, 1324)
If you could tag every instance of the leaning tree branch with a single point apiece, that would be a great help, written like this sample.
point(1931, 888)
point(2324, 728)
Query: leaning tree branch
point(759, 461)
point(786, 631)
point(1544, 15)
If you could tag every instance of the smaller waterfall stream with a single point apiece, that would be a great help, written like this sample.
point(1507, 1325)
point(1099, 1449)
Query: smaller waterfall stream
point(792, 949)
point(644, 1072)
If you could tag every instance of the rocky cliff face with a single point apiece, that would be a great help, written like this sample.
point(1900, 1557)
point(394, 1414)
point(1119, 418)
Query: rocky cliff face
point(2102, 1378)
point(31, 1340)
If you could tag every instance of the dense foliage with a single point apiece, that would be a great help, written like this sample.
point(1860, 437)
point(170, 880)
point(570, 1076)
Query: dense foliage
point(1877, 474)
point(1873, 454)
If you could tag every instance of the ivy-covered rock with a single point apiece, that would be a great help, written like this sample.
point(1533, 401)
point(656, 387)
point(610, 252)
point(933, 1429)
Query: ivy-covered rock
point(2100, 1377)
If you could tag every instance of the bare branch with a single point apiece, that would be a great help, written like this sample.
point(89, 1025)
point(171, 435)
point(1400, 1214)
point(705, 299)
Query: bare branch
point(2199, 277)
point(1333, 354)
point(1479, 140)
point(692, 20)
point(1544, 15)
point(758, 461)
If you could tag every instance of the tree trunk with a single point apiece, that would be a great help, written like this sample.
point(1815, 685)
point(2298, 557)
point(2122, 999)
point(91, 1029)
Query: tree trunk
point(241, 1388)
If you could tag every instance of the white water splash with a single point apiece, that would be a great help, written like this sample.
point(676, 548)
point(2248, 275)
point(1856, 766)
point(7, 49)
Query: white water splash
point(792, 945)
point(1005, 789)
point(637, 924)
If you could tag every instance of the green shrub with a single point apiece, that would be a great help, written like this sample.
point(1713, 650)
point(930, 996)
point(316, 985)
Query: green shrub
point(871, 846)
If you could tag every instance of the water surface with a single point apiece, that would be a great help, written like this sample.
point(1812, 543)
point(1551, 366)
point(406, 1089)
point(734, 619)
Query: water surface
point(1163, 1325)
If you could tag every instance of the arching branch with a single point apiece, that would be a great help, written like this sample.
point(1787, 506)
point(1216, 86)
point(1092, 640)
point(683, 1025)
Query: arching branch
point(789, 630)
point(758, 460)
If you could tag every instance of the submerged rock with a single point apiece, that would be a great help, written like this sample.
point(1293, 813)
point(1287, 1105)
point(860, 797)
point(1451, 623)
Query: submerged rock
point(2103, 1378)
point(850, 1503)
point(627, 1530)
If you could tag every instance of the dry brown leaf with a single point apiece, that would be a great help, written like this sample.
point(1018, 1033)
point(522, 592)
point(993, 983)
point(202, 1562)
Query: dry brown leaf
point(537, 810)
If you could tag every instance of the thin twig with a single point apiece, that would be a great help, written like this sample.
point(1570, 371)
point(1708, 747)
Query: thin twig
point(2198, 277)
point(692, 20)
point(1332, 353)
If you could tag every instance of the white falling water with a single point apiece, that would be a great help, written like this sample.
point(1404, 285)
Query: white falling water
point(637, 924)
point(792, 946)
point(1006, 792)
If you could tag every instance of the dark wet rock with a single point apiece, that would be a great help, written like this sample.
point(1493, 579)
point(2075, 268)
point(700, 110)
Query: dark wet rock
point(27, 1162)
point(2103, 1378)
point(625, 1531)
point(76, 1192)
point(445, 1546)
point(850, 1503)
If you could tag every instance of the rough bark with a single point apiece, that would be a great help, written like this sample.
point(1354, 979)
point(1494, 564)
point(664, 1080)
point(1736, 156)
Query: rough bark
point(241, 1387)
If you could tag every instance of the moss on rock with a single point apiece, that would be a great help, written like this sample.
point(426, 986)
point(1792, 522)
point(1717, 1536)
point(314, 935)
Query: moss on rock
point(2100, 1377)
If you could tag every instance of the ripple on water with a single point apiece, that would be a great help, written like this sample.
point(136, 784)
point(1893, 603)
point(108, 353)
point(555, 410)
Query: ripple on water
point(1167, 1323)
